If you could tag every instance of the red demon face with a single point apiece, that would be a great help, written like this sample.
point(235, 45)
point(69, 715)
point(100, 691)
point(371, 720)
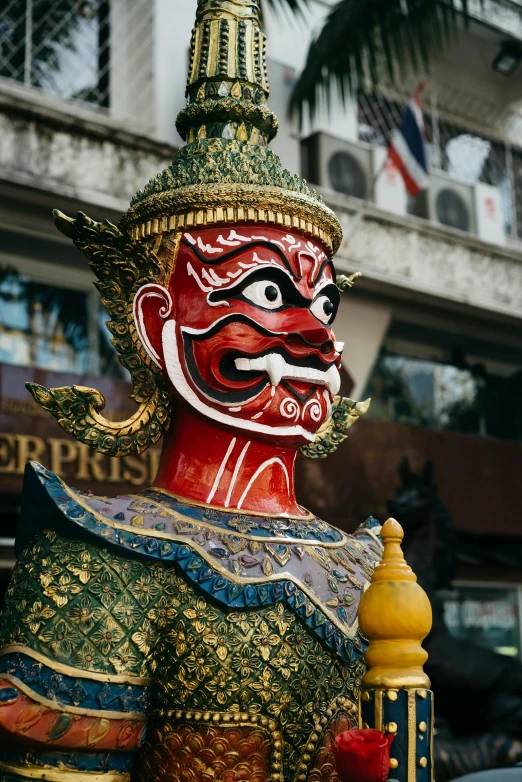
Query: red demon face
point(246, 338)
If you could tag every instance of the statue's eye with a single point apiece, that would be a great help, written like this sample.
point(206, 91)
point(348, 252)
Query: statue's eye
point(264, 293)
point(324, 309)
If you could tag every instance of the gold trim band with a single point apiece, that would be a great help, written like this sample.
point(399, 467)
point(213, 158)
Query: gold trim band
point(62, 775)
point(378, 709)
point(152, 533)
point(221, 531)
point(371, 534)
point(194, 206)
point(77, 673)
point(412, 736)
point(131, 716)
point(227, 719)
point(322, 725)
point(201, 218)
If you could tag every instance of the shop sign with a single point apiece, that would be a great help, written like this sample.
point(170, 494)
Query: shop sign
point(27, 432)
point(485, 615)
point(72, 460)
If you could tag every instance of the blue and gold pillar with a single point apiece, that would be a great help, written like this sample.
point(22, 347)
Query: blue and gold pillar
point(395, 616)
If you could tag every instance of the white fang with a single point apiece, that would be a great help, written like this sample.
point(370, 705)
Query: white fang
point(277, 368)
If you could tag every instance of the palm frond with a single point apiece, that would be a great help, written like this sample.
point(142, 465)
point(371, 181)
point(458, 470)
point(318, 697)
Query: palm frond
point(294, 5)
point(367, 38)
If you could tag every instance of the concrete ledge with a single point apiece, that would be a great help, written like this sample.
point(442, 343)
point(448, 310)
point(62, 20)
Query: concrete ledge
point(68, 150)
point(93, 160)
point(503, 15)
point(32, 104)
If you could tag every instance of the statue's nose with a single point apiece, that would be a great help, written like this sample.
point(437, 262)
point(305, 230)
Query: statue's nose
point(315, 337)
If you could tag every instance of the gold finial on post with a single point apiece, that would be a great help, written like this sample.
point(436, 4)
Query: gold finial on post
point(395, 616)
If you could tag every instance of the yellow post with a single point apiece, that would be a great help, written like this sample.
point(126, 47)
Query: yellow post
point(395, 616)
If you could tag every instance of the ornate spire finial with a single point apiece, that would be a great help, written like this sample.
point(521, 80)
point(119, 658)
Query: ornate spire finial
point(227, 85)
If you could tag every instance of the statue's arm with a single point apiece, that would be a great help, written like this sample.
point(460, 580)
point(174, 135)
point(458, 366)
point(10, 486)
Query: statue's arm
point(74, 648)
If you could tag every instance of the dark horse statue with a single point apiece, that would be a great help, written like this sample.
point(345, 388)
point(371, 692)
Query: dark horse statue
point(477, 692)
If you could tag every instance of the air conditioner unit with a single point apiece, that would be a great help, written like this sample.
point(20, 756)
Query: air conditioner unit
point(489, 214)
point(474, 208)
point(349, 167)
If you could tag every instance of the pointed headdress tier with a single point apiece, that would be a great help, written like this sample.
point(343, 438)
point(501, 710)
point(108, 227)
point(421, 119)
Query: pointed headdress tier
point(226, 173)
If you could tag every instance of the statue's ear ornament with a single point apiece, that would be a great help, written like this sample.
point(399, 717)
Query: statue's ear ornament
point(344, 283)
point(122, 266)
point(345, 412)
point(332, 433)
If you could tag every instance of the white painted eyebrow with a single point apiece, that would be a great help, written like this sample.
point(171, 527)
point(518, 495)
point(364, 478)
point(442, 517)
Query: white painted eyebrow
point(263, 265)
point(318, 288)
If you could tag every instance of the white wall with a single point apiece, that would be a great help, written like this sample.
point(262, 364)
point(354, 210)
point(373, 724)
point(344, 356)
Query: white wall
point(362, 326)
point(132, 63)
point(174, 20)
point(288, 39)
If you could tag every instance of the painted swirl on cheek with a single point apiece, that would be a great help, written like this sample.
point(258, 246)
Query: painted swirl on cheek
point(313, 407)
point(289, 408)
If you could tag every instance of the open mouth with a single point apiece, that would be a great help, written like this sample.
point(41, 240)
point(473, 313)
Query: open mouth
point(273, 414)
point(278, 366)
point(252, 373)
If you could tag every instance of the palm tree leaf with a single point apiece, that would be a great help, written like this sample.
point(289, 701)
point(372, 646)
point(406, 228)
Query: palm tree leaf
point(359, 34)
point(294, 5)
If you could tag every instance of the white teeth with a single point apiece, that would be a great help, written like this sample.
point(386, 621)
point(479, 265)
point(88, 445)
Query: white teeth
point(339, 346)
point(276, 368)
point(273, 365)
point(334, 380)
point(245, 364)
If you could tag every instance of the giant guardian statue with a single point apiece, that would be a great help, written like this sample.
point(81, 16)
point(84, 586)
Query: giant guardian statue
point(210, 628)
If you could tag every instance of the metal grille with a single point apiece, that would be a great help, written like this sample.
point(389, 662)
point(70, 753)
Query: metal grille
point(378, 116)
point(94, 52)
point(465, 155)
point(470, 157)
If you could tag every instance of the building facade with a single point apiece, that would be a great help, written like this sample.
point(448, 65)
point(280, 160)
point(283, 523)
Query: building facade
point(89, 93)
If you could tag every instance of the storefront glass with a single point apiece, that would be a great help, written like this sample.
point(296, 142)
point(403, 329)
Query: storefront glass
point(486, 616)
point(444, 395)
point(42, 325)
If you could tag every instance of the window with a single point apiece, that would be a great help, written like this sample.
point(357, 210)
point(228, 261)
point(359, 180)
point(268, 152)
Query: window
point(464, 155)
point(471, 158)
point(42, 325)
point(48, 319)
point(485, 615)
point(410, 386)
point(61, 46)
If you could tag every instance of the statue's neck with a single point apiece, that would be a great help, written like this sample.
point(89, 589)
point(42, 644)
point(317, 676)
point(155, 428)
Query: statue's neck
point(206, 463)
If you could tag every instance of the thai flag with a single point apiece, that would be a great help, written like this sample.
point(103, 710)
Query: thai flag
point(408, 148)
